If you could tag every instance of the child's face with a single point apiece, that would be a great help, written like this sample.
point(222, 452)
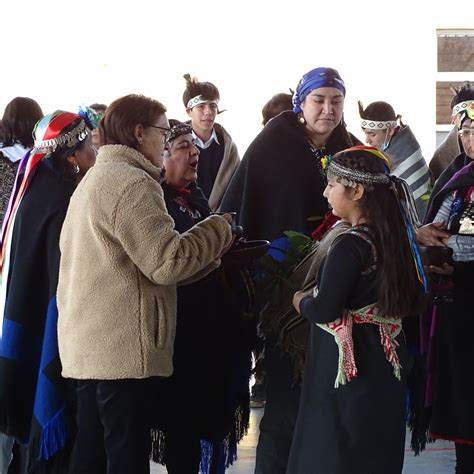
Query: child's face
point(339, 198)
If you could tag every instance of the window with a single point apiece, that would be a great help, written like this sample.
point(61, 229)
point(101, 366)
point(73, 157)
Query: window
point(455, 65)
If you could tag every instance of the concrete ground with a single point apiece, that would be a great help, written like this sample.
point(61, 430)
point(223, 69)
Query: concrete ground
point(438, 458)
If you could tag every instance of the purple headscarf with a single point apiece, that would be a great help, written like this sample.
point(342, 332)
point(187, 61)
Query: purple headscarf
point(319, 77)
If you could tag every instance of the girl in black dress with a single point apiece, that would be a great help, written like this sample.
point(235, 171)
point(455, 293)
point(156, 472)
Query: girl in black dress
point(351, 417)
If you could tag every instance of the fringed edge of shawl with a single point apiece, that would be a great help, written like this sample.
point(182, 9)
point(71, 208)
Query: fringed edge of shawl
point(228, 447)
point(54, 437)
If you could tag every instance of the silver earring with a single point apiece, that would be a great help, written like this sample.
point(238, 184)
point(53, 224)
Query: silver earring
point(76, 168)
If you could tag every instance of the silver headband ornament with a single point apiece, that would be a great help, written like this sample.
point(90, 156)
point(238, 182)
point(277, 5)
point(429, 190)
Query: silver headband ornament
point(199, 100)
point(378, 125)
point(461, 107)
point(70, 139)
point(351, 178)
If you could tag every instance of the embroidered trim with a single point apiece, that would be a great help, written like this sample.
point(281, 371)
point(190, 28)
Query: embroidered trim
point(378, 125)
point(341, 329)
point(72, 138)
point(462, 106)
point(350, 177)
point(199, 100)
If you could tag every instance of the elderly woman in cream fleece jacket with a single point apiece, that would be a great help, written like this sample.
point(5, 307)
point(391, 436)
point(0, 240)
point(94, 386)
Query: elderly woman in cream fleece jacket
point(121, 260)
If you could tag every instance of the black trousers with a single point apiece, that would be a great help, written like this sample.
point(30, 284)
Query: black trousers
point(113, 427)
point(464, 458)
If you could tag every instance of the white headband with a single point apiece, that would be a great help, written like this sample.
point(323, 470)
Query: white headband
point(462, 106)
point(199, 100)
point(375, 125)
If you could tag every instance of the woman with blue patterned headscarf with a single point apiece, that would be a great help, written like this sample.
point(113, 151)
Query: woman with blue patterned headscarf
point(279, 187)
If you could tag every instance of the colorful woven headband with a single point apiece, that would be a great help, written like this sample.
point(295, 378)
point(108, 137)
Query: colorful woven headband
point(378, 125)
point(466, 106)
point(177, 130)
point(199, 100)
point(69, 139)
point(373, 150)
point(48, 133)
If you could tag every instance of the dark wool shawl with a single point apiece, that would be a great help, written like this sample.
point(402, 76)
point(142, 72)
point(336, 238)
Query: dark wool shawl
point(208, 394)
point(447, 150)
point(278, 185)
point(32, 392)
point(442, 383)
point(439, 189)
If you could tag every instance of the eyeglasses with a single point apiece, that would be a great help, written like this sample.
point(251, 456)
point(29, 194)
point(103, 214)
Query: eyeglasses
point(165, 129)
point(466, 133)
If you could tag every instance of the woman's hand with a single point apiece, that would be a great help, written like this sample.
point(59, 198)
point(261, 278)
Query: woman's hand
point(432, 234)
point(445, 270)
point(227, 217)
point(297, 297)
point(227, 247)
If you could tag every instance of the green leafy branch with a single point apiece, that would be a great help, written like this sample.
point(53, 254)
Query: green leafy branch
point(277, 273)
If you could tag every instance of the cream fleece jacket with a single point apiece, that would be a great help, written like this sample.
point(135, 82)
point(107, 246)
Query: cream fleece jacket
point(120, 262)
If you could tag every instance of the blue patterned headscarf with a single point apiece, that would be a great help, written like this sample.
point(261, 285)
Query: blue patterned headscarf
point(319, 77)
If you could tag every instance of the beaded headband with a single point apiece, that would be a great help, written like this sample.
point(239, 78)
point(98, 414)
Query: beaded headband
point(70, 139)
point(177, 130)
point(464, 106)
point(199, 100)
point(351, 178)
point(378, 125)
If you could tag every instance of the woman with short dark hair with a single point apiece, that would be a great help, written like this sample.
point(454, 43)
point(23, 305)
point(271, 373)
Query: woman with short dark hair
point(18, 121)
point(121, 259)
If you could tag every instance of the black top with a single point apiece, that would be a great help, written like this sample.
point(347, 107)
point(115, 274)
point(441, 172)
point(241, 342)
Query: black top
point(210, 160)
point(349, 256)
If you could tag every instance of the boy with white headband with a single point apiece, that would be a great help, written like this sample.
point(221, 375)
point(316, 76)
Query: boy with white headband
point(384, 130)
point(218, 158)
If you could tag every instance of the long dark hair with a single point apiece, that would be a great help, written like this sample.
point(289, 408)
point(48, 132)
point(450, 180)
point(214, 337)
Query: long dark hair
point(399, 291)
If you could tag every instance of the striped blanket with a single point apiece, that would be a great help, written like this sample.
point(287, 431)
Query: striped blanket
point(408, 163)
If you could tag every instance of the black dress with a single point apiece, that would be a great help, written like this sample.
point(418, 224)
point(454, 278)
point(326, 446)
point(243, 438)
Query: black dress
point(452, 410)
point(359, 427)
